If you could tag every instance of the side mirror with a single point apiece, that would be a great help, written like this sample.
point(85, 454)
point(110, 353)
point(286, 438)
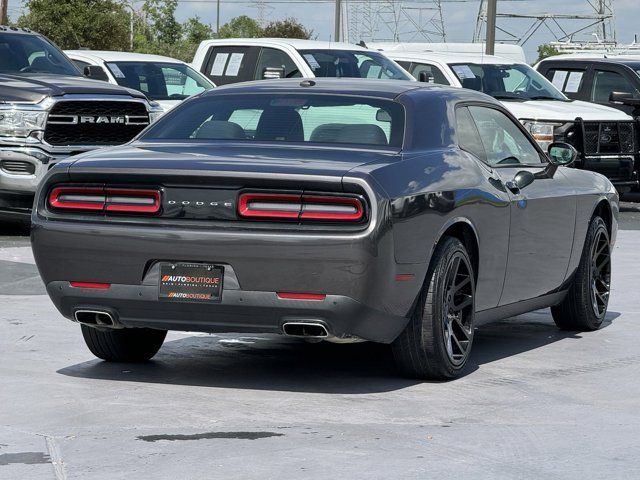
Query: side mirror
point(273, 72)
point(95, 72)
point(522, 179)
point(425, 77)
point(562, 154)
point(624, 98)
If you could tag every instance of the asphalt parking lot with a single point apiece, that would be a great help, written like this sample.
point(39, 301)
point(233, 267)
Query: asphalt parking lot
point(535, 402)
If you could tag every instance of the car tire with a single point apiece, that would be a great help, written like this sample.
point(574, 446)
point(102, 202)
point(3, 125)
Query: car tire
point(123, 345)
point(436, 342)
point(585, 306)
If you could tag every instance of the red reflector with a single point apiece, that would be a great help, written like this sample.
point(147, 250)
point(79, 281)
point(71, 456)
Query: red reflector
point(302, 207)
point(98, 286)
point(105, 199)
point(300, 296)
point(404, 277)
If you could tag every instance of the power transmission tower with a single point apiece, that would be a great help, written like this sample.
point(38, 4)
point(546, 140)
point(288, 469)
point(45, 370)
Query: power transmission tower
point(598, 19)
point(396, 20)
point(264, 10)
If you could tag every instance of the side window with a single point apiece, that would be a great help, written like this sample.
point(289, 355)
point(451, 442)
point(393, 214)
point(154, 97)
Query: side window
point(433, 74)
point(274, 58)
point(468, 137)
point(229, 64)
point(566, 80)
point(504, 142)
point(605, 82)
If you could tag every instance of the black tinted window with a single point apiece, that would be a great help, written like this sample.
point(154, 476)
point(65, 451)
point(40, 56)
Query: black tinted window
point(272, 58)
point(21, 53)
point(285, 118)
point(431, 73)
point(230, 64)
point(352, 64)
point(605, 82)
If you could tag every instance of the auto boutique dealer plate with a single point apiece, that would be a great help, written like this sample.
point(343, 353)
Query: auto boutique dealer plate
point(190, 282)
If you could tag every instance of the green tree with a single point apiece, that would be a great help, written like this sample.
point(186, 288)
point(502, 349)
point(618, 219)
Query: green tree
point(240, 27)
point(195, 31)
point(287, 28)
point(161, 15)
point(545, 51)
point(95, 24)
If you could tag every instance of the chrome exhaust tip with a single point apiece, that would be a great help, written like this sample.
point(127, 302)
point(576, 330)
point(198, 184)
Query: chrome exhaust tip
point(305, 330)
point(95, 318)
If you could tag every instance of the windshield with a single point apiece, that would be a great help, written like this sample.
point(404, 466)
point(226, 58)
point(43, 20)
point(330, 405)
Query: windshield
point(159, 81)
point(319, 119)
point(514, 81)
point(355, 64)
point(22, 54)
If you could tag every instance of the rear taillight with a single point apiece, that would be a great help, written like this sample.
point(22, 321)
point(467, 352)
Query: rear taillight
point(300, 207)
point(128, 200)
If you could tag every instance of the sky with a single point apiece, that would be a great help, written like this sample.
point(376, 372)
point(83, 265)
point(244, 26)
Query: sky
point(459, 18)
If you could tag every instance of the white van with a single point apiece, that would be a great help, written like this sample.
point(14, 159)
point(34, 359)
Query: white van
point(243, 59)
point(504, 50)
point(604, 137)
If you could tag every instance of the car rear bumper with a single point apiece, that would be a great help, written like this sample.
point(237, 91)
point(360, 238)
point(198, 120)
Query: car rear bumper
point(238, 311)
point(368, 294)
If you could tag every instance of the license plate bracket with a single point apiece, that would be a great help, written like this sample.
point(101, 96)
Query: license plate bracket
point(190, 282)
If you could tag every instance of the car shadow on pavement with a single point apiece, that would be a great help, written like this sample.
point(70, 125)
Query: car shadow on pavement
point(272, 362)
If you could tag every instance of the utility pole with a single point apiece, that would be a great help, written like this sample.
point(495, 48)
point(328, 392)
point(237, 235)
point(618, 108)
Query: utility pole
point(131, 23)
point(492, 7)
point(4, 5)
point(338, 23)
point(218, 17)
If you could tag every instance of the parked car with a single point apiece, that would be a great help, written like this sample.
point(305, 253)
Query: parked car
point(604, 137)
point(327, 209)
point(164, 80)
point(49, 111)
point(242, 59)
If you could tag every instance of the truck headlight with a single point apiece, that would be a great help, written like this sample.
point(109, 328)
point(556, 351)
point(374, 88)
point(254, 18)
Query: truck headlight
point(20, 123)
point(155, 111)
point(542, 132)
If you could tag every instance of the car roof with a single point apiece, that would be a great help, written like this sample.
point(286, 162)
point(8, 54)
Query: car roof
point(17, 30)
point(452, 57)
point(111, 56)
point(619, 59)
point(298, 44)
point(387, 89)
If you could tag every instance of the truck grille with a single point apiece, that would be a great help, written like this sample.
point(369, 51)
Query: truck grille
point(608, 138)
point(95, 122)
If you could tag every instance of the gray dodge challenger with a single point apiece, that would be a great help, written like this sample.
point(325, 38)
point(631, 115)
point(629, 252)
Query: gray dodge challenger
point(343, 210)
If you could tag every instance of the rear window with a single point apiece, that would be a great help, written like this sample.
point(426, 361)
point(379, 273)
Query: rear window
point(318, 119)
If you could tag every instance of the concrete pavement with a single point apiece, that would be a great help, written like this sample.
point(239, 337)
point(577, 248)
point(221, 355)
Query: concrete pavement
point(535, 402)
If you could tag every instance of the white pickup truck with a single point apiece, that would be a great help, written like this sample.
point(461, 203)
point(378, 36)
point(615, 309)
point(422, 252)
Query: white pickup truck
point(165, 80)
point(606, 138)
point(243, 59)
